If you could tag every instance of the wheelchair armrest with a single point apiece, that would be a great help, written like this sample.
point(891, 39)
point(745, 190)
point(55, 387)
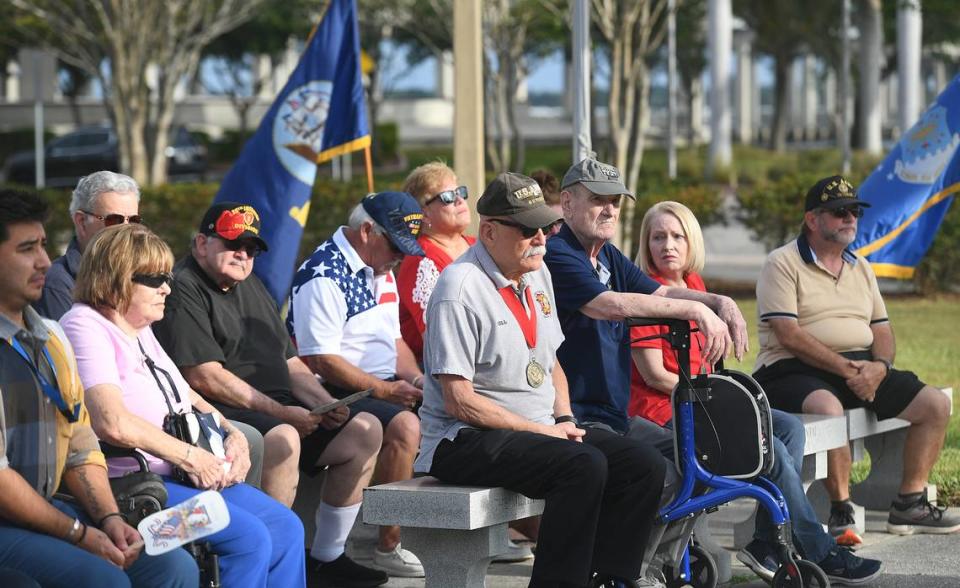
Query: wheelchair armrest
point(111, 451)
point(677, 325)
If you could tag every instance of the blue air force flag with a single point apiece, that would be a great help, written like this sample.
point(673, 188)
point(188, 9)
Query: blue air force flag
point(911, 191)
point(319, 114)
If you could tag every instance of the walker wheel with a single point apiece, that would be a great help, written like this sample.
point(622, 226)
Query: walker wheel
point(800, 574)
point(703, 571)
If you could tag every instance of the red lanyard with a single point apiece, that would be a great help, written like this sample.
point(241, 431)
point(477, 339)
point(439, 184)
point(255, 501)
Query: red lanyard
point(527, 319)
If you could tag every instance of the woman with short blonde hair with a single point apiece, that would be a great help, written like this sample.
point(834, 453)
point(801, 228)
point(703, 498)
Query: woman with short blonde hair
point(446, 217)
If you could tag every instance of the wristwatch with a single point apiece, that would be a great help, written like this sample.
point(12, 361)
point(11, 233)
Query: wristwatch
point(567, 418)
point(885, 362)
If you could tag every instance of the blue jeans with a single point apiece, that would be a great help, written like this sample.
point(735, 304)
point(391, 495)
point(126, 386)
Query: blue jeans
point(810, 538)
point(53, 562)
point(262, 546)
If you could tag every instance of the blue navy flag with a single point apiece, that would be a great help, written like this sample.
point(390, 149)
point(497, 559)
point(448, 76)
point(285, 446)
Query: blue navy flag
point(319, 114)
point(911, 191)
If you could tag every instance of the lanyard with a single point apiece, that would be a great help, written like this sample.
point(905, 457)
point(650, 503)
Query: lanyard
point(51, 390)
point(527, 319)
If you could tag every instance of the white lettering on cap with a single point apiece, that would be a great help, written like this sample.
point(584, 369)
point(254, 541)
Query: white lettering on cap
point(527, 192)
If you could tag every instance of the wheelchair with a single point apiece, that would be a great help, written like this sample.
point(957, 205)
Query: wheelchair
point(140, 500)
point(719, 459)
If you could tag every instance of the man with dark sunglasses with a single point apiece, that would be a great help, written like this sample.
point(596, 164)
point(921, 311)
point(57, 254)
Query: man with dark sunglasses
point(100, 200)
point(496, 410)
point(826, 344)
point(223, 330)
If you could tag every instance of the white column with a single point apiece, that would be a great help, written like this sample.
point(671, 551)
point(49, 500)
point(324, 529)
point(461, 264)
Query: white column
point(744, 88)
point(871, 56)
point(809, 96)
point(263, 70)
point(696, 109)
point(445, 75)
point(11, 91)
point(909, 37)
point(719, 32)
point(830, 90)
point(940, 79)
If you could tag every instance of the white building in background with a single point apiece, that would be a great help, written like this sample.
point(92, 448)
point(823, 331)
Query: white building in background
point(429, 119)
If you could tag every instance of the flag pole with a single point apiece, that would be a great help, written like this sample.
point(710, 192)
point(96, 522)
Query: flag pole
point(368, 161)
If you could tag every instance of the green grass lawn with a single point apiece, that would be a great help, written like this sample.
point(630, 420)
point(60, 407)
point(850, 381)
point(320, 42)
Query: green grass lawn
point(928, 343)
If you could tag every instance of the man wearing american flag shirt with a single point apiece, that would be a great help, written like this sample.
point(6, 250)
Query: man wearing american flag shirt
point(344, 315)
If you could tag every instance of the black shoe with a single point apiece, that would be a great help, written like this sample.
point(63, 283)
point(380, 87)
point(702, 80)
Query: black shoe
point(845, 569)
point(342, 572)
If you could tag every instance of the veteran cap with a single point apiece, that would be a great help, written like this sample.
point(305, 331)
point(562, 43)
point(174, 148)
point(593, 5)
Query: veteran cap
point(231, 221)
point(519, 198)
point(832, 192)
point(400, 216)
point(599, 178)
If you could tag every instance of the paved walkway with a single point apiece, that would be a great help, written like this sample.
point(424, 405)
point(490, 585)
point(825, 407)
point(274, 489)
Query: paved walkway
point(921, 561)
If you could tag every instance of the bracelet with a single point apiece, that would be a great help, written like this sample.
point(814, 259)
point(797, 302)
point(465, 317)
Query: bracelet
point(107, 516)
point(567, 418)
point(187, 457)
point(414, 382)
point(74, 529)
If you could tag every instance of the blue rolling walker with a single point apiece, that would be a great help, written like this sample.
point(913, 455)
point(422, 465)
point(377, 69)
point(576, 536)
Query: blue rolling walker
point(672, 549)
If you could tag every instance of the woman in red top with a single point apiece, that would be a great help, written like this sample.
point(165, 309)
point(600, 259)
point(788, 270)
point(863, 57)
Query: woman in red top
point(445, 217)
point(671, 252)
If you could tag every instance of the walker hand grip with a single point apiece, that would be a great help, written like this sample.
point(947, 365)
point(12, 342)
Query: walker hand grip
point(677, 325)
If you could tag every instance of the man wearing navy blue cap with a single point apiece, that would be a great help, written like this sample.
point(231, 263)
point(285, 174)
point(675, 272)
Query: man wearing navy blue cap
point(344, 315)
point(223, 330)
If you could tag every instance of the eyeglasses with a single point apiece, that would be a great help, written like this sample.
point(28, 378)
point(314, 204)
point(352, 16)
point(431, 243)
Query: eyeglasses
point(115, 219)
point(449, 196)
point(251, 248)
point(843, 211)
point(526, 232)
point(153, 280)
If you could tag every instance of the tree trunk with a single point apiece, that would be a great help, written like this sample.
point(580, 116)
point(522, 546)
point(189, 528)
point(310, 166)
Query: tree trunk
point(781, 69)
point(628, 207)
point(515, 72)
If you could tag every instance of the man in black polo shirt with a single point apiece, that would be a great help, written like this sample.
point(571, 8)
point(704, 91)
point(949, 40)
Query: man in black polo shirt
point(223, 330)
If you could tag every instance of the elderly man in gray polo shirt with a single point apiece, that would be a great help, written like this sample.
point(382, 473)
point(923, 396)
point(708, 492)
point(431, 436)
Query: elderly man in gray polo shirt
point(496, 410)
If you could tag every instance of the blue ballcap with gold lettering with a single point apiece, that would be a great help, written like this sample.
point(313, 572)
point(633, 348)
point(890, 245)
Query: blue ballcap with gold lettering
point(400, 216)
point(599, 178)
point(519, 198)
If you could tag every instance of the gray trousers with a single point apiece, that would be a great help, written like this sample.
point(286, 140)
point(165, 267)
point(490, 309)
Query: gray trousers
point(255, 441)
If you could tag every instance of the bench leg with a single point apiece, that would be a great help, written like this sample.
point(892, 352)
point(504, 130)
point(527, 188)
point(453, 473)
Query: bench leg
point(814, 470)
point(886, 470)
point(456, 557)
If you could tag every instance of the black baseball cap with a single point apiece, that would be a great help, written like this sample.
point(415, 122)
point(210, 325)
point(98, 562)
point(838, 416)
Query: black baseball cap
point(519, 198)
point(400, 216)
point(832, 192)
point(232, 221)
point(599, 178)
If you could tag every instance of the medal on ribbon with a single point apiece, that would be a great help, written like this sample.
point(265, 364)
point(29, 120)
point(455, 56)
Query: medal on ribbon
point(527, 319)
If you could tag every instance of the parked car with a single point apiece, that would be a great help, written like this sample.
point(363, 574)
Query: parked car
point(90, 149)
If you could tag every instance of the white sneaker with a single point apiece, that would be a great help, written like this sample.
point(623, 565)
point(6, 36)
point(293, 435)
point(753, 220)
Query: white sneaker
point(515, 553)
point(398, 562)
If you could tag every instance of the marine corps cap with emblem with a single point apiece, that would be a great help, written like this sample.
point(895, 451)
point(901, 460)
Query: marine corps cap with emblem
point(599, 178)
point(400, 216)
point(832, 192)
point(518, 198)
point(231, 221)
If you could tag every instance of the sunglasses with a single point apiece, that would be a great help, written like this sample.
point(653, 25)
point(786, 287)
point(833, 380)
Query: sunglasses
point(843, 211)
point(153, 280)
point(449, 196)
point(115, 219)
point(252, 249)
point(526, 232)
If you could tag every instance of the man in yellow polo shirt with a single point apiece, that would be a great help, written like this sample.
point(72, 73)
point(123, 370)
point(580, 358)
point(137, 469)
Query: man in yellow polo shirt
point(826, 344)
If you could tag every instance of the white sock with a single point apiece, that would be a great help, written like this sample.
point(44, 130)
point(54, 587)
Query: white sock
point(333, 526)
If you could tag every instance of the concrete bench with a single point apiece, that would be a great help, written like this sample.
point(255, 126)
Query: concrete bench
point(455, 530)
